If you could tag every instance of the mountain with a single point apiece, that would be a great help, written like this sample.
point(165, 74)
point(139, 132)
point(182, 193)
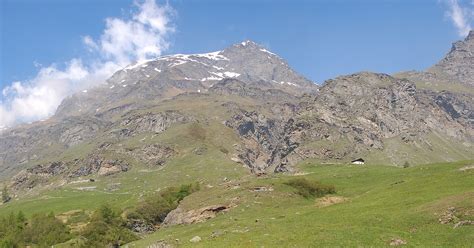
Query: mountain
point(459, 62)
point(168, 76)
point(384, 118)
point(239, 137)
point(453, 73)
point(269, 118)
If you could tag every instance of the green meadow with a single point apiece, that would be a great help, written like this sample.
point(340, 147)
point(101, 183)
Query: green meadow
point(375, 204)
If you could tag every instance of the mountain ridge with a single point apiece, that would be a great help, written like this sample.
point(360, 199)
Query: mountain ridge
point(277, 117)
point(170, 75)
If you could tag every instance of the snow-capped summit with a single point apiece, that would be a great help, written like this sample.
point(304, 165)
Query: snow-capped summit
point(169, 75)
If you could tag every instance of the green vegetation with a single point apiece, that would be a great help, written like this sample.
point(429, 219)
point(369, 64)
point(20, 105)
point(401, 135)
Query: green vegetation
point(155, 207)
point(5, 195)
point(308, 189)
point(381, 203)
point(41, 230)
point(106, 229)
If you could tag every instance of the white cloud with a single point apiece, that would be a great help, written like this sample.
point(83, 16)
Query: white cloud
point(137, 39)
point(142, 36)
point(461, 16)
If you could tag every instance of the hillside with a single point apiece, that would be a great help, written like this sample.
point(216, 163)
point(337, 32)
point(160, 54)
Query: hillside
point(239, 122)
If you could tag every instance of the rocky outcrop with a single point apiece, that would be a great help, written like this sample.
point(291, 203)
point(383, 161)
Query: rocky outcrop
point(51, 169)
point(151, 155)
point(22, 146)
point(140, 226)
point(180, 216)
point(41, 173)
point(457, 217)
point(367, 108)
point(261, 90)
point(458, 64)
point(458, 106)
point(266, 143)
point(150, 122)
point(98, 164)
point(29, 178)
point(79, 132)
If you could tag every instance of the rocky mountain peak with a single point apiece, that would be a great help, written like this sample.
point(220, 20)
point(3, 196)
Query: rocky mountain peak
point(170, 75)
point(248, 44)
point(470, 36)
point(250, 47)
point(458, 64)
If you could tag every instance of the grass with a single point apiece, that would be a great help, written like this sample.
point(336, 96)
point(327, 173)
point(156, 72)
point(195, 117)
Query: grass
point(382, 203)
point(309, 189)
point(209, 168)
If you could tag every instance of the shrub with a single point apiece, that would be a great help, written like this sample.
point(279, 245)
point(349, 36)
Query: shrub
point(155, 207)
point(406, 164)
point(46, 230)
point(5, 196)
point(224, 150)
point(106, 229)
point(309, 189)
point(197, 132)
point(41, 230)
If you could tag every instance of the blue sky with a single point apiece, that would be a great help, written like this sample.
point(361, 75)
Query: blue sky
point(320, 39)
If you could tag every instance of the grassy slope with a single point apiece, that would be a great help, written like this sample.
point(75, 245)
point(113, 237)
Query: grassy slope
point(445, 82)
point(435, 148)
point(187, 167)
point(376, 211)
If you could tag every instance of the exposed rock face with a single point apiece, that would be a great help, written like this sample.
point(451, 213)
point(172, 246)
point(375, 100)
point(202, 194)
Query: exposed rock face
point(51, 169)
point(367, 101)
point(152, 155)
point(30, 177)
point(459, 107)
point(39, 174)
point(279, 116)
point(79, 131)
point(260, 90)
point(179, 216)
point(30, 142)
point(150, 122)
point(365, 109)
point(459, 62)
point(101, 166)
point(266, 142)
point(355, 113)
point(140, 226)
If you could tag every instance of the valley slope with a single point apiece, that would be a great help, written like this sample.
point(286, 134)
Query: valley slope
point(224, 118)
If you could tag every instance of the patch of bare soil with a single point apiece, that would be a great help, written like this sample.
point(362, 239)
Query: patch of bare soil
point(327, 201)
point(467, 167)
point(397, 242)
